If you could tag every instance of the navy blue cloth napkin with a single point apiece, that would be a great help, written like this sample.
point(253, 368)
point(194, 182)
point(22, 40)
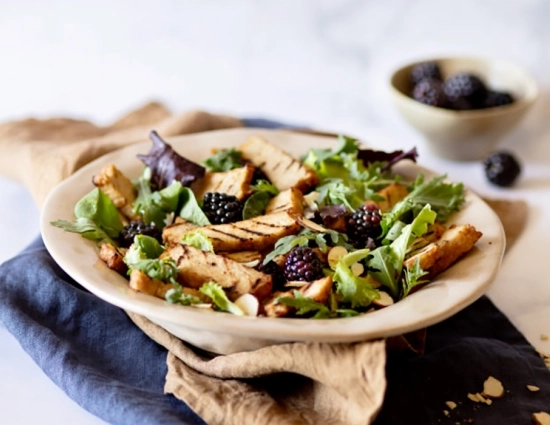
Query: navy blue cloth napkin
point(96, 354)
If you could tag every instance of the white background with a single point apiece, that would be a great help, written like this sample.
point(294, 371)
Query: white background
point(320, 63)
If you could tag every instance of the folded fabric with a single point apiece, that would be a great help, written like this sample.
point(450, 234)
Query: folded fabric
point(115, 370)
point(95, 353)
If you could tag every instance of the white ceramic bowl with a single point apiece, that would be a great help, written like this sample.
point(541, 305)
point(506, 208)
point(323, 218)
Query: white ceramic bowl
point(224, 333)
point(473, 134)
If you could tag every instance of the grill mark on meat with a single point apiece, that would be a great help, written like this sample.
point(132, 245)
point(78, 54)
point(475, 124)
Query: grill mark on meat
point(252, 232)
point(231, 235)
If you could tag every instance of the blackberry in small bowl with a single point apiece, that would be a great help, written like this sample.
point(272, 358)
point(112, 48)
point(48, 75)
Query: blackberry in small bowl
point(302, 263)
point(502, 168)
point(221, 208)
point(464, 85)
point(425, 70)
point(363, 226)
point(430, 92)
point(495, 98)
point(134, 228)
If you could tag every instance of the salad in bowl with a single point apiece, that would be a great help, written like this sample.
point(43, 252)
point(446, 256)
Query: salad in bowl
point(254, 231)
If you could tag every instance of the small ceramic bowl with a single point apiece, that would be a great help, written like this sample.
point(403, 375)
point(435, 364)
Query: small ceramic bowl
point(466, 135)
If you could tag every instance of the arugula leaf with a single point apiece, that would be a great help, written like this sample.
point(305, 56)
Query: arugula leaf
point(86, 227)
point(219, 298)
point(358, 291)
point(255, 204)
point(96, 218)
point(314, 157)
point(303, 238)
point(191, 211)
point(224, 160)
point(265, 186)
point(444, 198)
point(344, 178)
point(177, 296)
point(412, 278)
point(305, 305)
point(198, 240)
point(386, 262)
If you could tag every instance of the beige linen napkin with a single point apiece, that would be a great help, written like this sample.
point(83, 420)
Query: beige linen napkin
point(340, 384)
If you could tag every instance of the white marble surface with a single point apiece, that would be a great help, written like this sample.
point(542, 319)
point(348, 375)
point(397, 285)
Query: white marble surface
point(321, 63)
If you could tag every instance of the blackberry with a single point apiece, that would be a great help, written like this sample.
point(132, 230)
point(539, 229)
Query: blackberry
point(126, 237)
point(222, 208)
point(302, 263)
point(463, 85)
point(502, 168)
point(276, 272)
point(363, 226)
point(425, 70)
point(495, 98)
point(430, 92)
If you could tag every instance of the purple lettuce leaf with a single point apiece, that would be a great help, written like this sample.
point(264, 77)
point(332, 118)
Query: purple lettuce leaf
point(368, 156)
point(167, 165)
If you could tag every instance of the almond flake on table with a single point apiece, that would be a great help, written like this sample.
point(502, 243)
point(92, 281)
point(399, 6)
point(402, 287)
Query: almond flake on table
point(541, 418)
point(544, 337)
point(533, 388)
point(493, 388)
point(451, 404)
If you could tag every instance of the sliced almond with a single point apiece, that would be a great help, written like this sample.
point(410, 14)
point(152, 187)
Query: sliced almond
point(384, 300)
point(544, 337)
point(446, 412)
point(249, 304)
point(335, 254)
point(296, 283)
point(541, 418)
point(310, 198)
point(357, 269)
point(451, 404)
point(533, 388)
point(493, 388)
point(308, 224)
point(474, 397)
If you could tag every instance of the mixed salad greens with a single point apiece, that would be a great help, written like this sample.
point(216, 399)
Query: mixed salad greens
point(348, 176)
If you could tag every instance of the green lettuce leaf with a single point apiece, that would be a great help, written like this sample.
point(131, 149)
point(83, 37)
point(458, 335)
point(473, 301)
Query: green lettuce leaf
point(303, 238)
point(444, 198)
point(96, 218)
point(305, 305)
point(198, 240)
point(154, 206)
point(191, 211)
point(143, 255)
point(177, 296)
point(355, 290)
point(386, 262)
point(85, 227)
point(265, 186)
point(255, 204)
point(219, 298)
point(224, 160)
